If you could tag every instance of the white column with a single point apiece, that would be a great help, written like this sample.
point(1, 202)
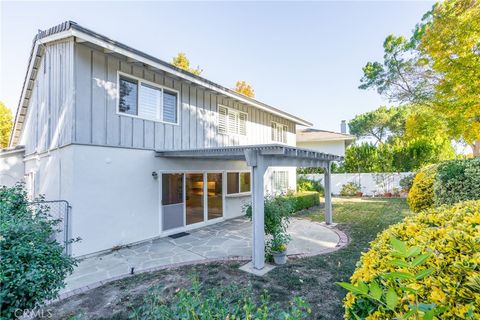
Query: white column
point(258, 218)
point(328, 195)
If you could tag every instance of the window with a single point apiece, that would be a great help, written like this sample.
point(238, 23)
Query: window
point(128, 96)
point(146, 100)
point(279, 132)
point(30, 185)
point(169, 106)
point(238, 182)
point(280, 181)
point(231, 121)
point(245, 182)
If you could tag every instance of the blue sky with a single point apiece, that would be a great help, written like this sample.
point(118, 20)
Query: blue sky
point(303, 57)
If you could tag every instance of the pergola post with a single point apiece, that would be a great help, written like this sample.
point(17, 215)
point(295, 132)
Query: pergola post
point(328, 194)
point(257, 163)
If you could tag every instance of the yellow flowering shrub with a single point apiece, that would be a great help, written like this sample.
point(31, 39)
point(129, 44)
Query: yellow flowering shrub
point(446, 281)
point(421, 195)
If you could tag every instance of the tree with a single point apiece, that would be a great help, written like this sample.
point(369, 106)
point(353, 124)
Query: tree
point(5, 125)
point(451, 37)
point(404, 76)
point(380, 123)
point(33, 266)
point(438, 67)
point(360, 158)
point(181, 61)
point(244, 88)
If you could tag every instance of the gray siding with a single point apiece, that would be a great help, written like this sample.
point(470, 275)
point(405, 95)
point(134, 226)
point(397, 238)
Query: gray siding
point(49, 117)
point(97, 122)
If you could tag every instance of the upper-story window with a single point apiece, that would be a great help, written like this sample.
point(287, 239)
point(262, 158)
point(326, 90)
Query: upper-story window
point(279, 132)
point(231, 121)
point(147, 100)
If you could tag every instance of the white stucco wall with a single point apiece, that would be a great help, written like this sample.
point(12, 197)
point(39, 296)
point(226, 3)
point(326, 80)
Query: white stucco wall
point(333, 147)
point(114, 198)
point(12, 168)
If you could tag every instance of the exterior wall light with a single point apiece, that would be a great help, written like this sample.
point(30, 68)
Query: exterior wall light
point(154, 175)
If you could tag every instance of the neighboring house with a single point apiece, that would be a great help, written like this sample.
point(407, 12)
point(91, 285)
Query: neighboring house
point(106, 128)
point(324, 141)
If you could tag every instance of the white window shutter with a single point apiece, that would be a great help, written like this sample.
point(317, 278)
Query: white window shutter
point(222, 119)
point(284, 134)
point(243, 124)
point(232, 122)
point(149, 102)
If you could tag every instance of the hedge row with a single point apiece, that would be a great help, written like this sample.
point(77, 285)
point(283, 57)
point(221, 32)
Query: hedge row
point(446, 183)
point(304, 200)
point(457, 181)
point(427, 264)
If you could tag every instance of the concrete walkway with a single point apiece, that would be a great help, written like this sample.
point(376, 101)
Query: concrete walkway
point(231, 238)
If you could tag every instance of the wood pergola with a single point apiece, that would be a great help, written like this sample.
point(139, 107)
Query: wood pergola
point(260, 158)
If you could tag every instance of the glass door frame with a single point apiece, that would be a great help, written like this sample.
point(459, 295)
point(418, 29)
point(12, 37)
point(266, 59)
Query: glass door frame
point(205, 221)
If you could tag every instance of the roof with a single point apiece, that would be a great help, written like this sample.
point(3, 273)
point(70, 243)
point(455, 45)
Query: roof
point(310, 134)
point(72, 29)
point(238, 153)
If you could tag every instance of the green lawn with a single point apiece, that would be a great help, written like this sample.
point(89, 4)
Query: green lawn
point(312, 278)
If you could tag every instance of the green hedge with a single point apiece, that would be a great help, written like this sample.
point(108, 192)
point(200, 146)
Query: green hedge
point(457, 180)
point(304, 200)
point(449, 182)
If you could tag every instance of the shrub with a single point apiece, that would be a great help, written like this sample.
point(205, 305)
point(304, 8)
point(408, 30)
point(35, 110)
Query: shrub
point(421, 194)
point(407, 182)
point(304, 200)
point(277, 212)
point(349, 189)
point(223, 302)
point(304, 184)
point(33, 266)
point(457, 180)
point(427, 265)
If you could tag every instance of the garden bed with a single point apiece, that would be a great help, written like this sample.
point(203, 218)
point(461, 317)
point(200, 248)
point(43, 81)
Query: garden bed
point(312, 278)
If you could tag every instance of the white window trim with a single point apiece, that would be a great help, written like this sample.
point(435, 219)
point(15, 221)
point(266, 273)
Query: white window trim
point(152, 84)
point(285, 129)
point(237, 112)
point(238, 194)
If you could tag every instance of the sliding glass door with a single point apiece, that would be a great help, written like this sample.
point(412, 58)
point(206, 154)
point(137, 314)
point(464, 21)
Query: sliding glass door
point(215, 196)
point(172, 201)
point(194, 210)
point(191, 198)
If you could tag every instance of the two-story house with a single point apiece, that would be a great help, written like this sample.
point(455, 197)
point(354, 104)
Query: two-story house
point(97, 120)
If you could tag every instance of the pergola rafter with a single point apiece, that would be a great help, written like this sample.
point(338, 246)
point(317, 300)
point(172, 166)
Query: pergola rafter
point(260, 158)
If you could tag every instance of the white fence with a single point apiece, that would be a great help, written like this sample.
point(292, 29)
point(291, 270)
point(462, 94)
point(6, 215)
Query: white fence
point(370, 183)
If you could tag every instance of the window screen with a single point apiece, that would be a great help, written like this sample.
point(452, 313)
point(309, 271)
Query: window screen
point(128, 96)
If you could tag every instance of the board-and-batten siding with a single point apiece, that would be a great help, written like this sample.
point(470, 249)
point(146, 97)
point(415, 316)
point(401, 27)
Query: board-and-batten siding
point(97, 121)
point(48, 123)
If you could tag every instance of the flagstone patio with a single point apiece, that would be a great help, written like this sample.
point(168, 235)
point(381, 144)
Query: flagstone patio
point(228, 239)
